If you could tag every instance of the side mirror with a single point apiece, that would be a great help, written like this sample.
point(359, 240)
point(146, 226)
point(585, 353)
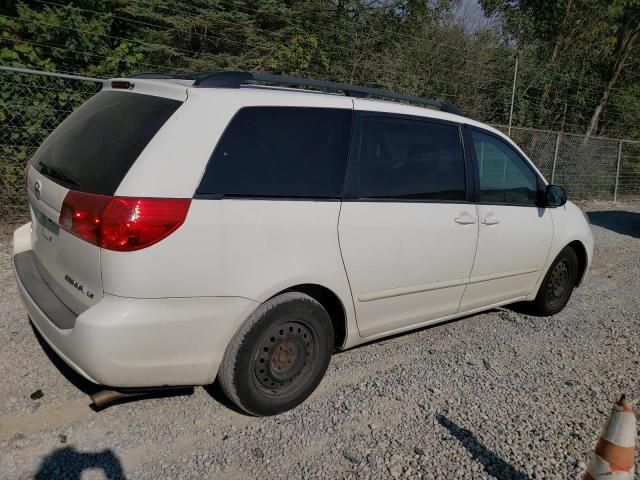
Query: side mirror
point(555, 196)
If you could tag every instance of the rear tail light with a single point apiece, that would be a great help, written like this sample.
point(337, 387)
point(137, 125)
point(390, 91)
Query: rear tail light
point(82, 215)
point(121, 223)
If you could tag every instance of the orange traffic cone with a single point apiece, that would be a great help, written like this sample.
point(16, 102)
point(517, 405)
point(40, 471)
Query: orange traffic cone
point(615, 451)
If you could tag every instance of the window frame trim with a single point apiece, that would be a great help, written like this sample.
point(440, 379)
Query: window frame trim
point(540, 183)
point(352, 188)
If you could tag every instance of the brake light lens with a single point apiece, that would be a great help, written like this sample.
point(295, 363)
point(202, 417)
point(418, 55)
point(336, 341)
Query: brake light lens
point(122, 224)
point(81, 215)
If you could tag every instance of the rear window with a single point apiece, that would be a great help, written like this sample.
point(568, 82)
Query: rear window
point(281, 152)
point(93, 149)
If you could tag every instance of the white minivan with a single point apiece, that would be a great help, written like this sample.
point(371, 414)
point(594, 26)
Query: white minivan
point(228, 226)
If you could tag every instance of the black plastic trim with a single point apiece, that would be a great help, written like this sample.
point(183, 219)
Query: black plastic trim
point(352, 173)
point(470, 152)
point(238, 79)
point(47, 301)
point(404, 200)
point(217, 196)
point(469, 169)
point(162, 76)
point(224, 79)
point(405, 116)
point(152, 75)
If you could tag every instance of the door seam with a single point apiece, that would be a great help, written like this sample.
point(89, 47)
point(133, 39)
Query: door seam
point(473, 263)
point(344, 266)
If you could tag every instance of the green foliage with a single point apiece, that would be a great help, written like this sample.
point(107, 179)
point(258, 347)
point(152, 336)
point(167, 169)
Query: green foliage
point(53, 37)
point(567, 48)
point(579, 60)
point(579, 55)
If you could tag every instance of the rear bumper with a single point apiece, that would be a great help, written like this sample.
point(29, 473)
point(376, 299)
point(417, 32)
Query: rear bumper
point(27, 271)
point(129, 342)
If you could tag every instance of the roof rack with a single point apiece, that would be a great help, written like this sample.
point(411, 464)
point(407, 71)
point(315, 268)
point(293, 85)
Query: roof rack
point(226, 79)
point(162, 76)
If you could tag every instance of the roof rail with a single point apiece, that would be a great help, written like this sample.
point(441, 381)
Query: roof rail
point(164, 76)
point(154, 75)
point(237, 79)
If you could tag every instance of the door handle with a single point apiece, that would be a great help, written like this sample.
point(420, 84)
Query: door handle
point(465, 220)
point(490, 221)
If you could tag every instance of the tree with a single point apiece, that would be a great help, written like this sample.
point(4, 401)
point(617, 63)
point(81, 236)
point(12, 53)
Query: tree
point(621, 29)
point(589, 43)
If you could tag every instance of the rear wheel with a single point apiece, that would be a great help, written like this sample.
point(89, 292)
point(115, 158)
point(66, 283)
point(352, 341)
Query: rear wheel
point(279, 355)
point(558, 283)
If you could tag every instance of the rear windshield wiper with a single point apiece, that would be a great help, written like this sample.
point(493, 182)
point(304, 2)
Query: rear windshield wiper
point(56, 174)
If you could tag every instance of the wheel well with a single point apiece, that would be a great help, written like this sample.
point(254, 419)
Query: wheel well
point(331, 303)
point(581, 253)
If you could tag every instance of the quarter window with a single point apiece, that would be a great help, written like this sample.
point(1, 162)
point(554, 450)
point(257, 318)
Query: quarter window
point(505, 178)
point(281, 152)
point(406, 159)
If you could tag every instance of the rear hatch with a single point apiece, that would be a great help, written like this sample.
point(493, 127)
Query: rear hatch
point(90, 152)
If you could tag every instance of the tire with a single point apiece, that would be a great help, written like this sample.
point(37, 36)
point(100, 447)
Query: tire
point(278, 356)
point(558, 284)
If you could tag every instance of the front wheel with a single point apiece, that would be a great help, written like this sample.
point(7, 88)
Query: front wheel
point(279, 355)
point(558, 283)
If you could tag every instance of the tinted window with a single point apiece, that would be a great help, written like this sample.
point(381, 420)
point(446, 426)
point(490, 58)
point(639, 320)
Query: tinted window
point(281, 152)
point(93, 149)
point(411, 159)
point(504, 175)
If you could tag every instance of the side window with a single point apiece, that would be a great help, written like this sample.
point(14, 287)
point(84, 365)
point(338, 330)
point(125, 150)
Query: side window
point(504, 175)
point(407, 159)
point(281, 152)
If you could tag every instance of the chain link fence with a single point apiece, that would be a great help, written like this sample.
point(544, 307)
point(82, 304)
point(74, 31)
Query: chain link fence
point(32, 104)
point(588, 167)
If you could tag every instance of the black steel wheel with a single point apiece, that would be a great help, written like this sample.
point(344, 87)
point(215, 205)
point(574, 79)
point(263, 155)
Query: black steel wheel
point(279, 355)
point(558, 284)
point(286, 353)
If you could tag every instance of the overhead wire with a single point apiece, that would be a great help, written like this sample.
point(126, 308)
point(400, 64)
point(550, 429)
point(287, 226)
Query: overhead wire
point(200, 56)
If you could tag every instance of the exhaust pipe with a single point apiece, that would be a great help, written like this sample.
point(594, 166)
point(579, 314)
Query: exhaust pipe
point(105, 397)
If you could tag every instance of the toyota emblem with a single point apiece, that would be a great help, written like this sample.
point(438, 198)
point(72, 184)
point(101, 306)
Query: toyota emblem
point(36, 189)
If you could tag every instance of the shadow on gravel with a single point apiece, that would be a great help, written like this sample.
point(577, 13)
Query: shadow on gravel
point(89, 388)
point(493, 465)
point(68, 463)
point(619, 221)
point(215, 391)
point(407, 333)
point(77, 380)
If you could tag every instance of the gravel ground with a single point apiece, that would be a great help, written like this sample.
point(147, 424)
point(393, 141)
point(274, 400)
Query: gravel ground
point(497, 395)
